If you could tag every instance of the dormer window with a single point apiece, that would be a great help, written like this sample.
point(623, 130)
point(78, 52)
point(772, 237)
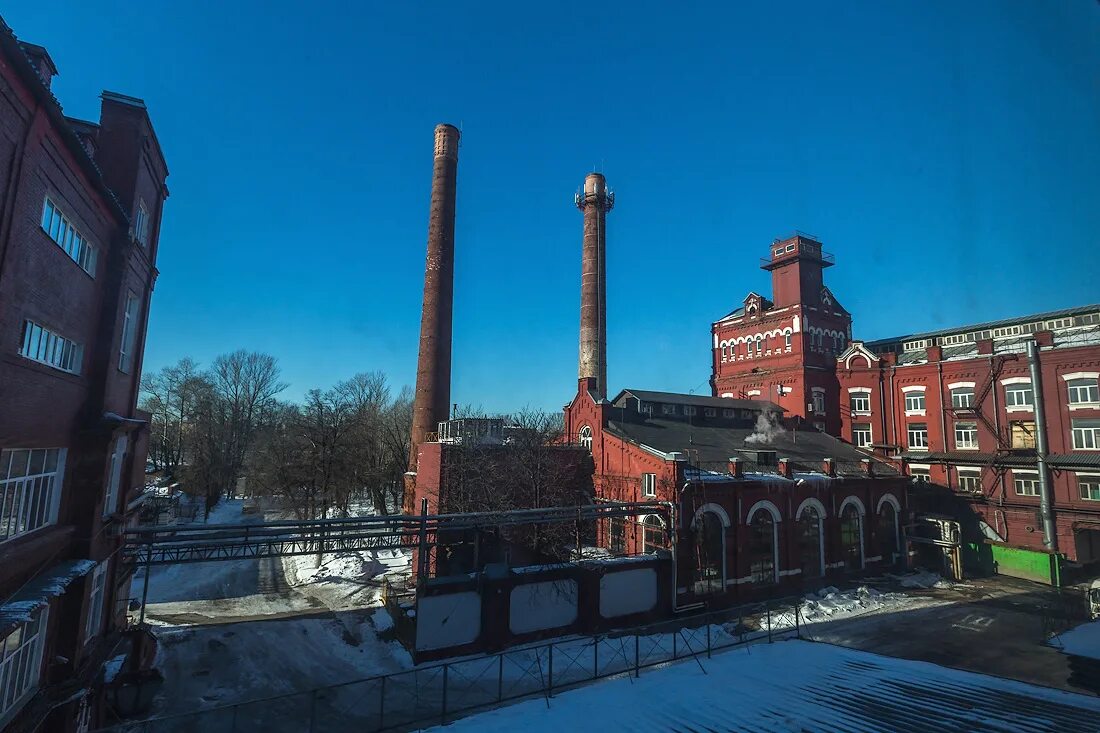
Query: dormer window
point(141, 224)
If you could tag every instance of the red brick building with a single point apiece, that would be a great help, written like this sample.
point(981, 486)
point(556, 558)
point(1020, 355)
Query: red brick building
point(784, 349)
point(958, 407)
point(81, 209)
point(762, 508)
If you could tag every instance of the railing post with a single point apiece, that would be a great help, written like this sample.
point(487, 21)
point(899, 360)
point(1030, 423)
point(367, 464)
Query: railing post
point(797, 613)
point(550, 690)
point(382, 705)
point(708, 638)
point(674, 635)
point(637, 658)
point(768, 610)
point(443, 716)
point(595, 657)
point(500, 678)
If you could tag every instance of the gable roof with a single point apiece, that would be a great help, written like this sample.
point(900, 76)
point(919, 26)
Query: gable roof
point(765, 305)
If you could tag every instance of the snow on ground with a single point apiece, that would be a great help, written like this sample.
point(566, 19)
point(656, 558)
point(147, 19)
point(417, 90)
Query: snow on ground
point(831, 604)
point(345, 579)
point(205, 666)
point(1083, 640)
point(796, 685)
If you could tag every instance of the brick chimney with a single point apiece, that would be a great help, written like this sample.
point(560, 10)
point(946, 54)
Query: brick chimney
point(432, 399)
point(785, 467)
point(985, 346)
point(868, 466)
point(736, 468)
point(828, 467)
point(43, 64)
point(595, 200)
point(1044, 338)
point(934, 353)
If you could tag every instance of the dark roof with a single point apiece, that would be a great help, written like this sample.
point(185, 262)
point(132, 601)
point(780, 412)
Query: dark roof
point(765, 305)
point(676, 398)
point(1079, 310)
point(711, 446)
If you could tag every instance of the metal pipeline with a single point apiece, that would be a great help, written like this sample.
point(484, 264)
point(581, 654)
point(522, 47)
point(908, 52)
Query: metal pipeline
point(1050, 537)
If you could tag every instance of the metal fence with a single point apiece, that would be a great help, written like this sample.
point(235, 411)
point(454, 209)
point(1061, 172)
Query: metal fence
point(442, 692)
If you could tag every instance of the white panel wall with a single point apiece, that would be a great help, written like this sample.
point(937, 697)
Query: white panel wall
point(631, 591)
point(448, 620)
point(538, 606)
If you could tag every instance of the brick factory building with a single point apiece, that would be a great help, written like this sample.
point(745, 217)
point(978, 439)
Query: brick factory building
point(959, 407)
point(78, 242)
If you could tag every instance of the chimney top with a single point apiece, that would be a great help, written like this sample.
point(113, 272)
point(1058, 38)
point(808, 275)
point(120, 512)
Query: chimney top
point(446, 141)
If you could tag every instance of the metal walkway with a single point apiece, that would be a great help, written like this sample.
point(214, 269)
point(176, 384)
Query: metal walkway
point(160, 545)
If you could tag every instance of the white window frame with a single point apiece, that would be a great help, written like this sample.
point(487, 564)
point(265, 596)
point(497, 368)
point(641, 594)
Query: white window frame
point(129, 333)
point(1015, 388)
point(1092, 481)
point(958, 391)
point(114, 475)
point(970, 474)
point(667, 409)
point(141, 223)
point(1028, 479)
point(649, 485)
point(862, 396)
point(1086, 393)
point(690, 411)
point(911, 432)
point(728, 412)
point(93, 622)
point(710, 412)
point(969, 444)
point(60, 229)
point(856, 434)
point(817, 395)
point(1085, 434)
point(915, 403)
point(44, 346)
point(584, 437)
point(21, 665)
point(29, 501)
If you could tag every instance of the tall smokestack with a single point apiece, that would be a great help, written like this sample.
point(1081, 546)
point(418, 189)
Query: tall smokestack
point(595, 201)
point(432, 400)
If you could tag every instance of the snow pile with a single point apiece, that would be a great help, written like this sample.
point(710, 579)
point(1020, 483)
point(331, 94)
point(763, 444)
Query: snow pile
point(832, 604)
point(923, 579)
point(346, 579)
point(1081, 641)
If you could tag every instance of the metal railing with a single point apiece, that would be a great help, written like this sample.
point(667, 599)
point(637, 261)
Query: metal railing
point(440, 693)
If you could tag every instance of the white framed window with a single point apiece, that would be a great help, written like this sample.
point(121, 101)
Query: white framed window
point(861, 434)
point(141, 223)
point(114, 475)
point(914, 402)
point(860, 402)
point(21, 662)
point(93, 622)
point(1018, 396)
point(787, 340)
point(584, 437)
point(917, 433)
point(819, 401)
point(1088, 487)
point(646, 408)
point(1086, 434)
point(759, 344)
point(30, 486)
point(966, 435)
point(668, 409)
point(727, 412)
point(710, 412)
point(689, 410)
point(653, 534)
point(1083, 391)
point(649, 484)
point(129, 329)
point(46, 347)
point(61, 231)
point(962, 397)
point(921, 474)
point(1026, 484)
point(970, 480)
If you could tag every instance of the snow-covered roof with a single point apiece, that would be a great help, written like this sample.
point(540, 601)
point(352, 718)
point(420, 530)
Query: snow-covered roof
point(37, 592)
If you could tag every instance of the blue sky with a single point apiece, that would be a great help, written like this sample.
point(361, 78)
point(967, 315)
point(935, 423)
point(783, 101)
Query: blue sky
point(946, 153)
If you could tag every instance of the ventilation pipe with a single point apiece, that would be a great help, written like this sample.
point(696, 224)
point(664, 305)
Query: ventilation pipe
point(1050, 537)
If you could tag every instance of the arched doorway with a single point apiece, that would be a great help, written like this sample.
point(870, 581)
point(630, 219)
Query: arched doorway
point(763, 545)
point(888, 530)
point(811, 540)
point(710, 552)
point(653, 534)
point(851, 536)
point(584, 437)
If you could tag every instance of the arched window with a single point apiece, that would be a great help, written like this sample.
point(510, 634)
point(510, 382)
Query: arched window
point(887, 532)
point(653, 534)
point(810, 542)
point(617, 535)
point(759, 344)
point(584, 437)
point(762, 547)
point(710, 546)
point(787, 340)
point(851, 538)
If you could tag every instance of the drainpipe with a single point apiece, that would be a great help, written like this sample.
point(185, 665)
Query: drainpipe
point(943, 419)
point(1050, 538)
